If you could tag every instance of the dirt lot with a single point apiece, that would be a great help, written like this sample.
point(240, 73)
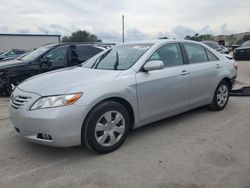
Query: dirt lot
point(196, 149)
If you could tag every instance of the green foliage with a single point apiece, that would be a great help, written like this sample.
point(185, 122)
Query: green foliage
point(163, 38)
point(244, 39)
point(197, 37)
point(81, 36)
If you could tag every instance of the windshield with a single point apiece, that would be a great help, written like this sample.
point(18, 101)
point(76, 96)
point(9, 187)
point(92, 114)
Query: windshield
point(247, 43)
point(119, 57)
point(36, 53)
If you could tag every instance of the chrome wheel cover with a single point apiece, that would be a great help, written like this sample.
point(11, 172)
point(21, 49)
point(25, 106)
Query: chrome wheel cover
point(109, 128)
point(222, 95)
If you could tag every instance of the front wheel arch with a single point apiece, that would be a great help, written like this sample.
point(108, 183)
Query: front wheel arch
point(89, 124)
point(120, 100)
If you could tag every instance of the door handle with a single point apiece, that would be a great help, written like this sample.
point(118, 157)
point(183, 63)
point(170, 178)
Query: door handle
point(184, 72)
point(218, 66)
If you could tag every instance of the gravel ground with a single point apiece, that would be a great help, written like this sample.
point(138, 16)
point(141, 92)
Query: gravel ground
point(199, 148)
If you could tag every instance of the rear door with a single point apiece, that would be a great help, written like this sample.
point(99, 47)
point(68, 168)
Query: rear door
point(203, 67)
point(165, 90)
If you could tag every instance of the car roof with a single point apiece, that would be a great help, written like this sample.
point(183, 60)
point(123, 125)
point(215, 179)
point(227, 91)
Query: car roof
point(161, 41)
point(97, 44)
point(209, 41)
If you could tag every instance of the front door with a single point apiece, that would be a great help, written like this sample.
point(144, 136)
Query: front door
point(55, 59)
point(165, 90)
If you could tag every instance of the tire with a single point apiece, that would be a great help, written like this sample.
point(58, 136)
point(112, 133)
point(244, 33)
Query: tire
point(221, 96)
point(9, 90)
point(100, 126)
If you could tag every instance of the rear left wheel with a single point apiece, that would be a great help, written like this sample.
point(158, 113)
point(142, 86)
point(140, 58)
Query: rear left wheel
point(221, 96)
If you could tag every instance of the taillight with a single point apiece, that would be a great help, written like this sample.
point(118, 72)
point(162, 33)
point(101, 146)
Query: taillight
point(235, 66)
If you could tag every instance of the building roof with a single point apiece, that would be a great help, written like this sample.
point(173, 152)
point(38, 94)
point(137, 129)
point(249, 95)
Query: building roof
point(22, 34)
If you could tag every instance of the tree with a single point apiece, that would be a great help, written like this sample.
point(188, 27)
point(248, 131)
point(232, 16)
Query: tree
point(81, 36)
point(244, 39)
point(163, 38)
point(198, 37)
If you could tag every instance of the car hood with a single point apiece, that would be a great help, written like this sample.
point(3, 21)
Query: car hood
point(243, 48)
point(11, 63)
point(60, 81)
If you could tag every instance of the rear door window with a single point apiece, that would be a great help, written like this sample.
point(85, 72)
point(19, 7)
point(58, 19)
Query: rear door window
point(86, 52)
point(211, 56)
point(196, 53)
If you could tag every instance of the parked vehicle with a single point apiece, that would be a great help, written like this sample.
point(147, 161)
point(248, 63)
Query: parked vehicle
point(242, 52)
point(122, 88)
point(214, 45)
point(44, 59)
point(224, 49)
point(2, 52)
point(18, 58)
point(11, 54)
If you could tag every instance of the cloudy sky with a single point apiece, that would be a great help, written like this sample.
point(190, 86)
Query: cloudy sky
point(144, 19)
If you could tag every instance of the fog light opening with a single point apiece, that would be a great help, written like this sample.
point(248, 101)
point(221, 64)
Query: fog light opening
point(17, 130)
point(44, 136)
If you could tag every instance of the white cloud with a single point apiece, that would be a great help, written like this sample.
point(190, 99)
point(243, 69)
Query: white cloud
point(224, 29)
point(144, 19)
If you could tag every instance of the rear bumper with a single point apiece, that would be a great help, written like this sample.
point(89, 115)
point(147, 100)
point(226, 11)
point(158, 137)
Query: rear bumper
point(233, 81)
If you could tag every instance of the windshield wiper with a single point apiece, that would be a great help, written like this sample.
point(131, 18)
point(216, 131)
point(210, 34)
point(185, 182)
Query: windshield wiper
point(99, 59)
point(116, 61)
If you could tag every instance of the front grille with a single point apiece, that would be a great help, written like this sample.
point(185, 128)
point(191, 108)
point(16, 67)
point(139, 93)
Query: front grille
point(19, 101)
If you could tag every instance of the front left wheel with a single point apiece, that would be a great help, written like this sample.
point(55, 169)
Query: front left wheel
point(106, 127)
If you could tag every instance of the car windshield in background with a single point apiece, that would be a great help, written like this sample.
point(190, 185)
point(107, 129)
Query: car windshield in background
point(213, 45)
point(36, 53)
point(247, 43)
point(119, 57)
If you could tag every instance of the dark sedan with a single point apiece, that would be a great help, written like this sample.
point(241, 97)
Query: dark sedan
point(242, 52)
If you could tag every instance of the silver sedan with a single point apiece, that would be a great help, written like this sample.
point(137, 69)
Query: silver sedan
point(123, 88)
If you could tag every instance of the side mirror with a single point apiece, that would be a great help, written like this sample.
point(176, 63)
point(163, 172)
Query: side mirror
point(44, 59)
point(45, 62)
point(153, 65)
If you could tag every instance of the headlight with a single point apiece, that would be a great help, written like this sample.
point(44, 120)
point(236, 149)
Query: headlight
point(55, 101)
point(1, 73)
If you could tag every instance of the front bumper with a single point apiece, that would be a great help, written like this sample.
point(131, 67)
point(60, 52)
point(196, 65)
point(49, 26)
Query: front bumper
point(62, 125)
point(244, 55)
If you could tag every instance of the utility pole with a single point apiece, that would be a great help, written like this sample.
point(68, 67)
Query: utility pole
point(122, 28)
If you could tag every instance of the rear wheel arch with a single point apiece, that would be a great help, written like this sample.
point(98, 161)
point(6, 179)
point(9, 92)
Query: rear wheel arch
point(228, 80)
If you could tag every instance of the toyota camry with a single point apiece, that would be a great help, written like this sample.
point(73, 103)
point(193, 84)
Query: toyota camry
point(122, 88)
